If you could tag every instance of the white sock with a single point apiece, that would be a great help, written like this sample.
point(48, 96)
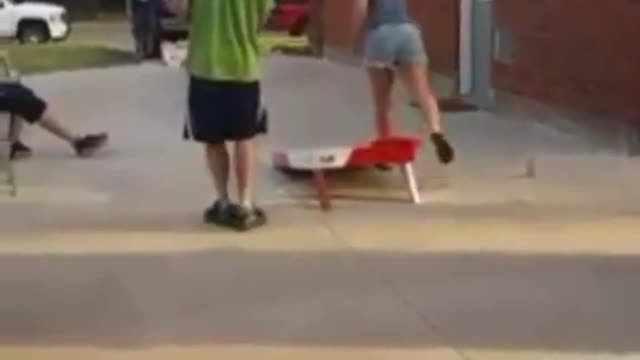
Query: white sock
point(247, 204)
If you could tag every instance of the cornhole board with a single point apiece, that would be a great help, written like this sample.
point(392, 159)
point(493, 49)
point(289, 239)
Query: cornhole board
point(395, 150)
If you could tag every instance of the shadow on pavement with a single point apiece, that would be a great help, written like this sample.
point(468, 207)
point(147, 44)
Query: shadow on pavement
point(374, 299)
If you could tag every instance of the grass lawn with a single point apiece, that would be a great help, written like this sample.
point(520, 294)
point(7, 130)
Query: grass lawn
point(32, 59)
point(47, 58)
point(271, 40)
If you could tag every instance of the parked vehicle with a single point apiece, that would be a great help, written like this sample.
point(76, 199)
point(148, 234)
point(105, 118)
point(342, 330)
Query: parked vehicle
point(33, 22)
point(291, 16)
point(153, 22)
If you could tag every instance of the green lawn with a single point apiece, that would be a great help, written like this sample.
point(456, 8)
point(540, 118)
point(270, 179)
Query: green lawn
point(271, 40)
point(32, 59)
point(48, 58)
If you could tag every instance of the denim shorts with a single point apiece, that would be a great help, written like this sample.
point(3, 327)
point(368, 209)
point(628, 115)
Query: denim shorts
point(392, 44)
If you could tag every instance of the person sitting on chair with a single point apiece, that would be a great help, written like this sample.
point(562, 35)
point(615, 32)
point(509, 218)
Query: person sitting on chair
point(21, 101)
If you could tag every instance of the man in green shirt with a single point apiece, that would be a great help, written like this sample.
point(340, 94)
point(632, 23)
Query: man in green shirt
point(225, 98)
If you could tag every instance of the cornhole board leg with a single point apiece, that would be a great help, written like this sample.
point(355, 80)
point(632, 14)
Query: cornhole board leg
point(322, 189)
point(412, 183)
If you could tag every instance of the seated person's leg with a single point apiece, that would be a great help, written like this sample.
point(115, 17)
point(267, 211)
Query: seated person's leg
point(23, 102)
point(18, 149)
point(12, 100)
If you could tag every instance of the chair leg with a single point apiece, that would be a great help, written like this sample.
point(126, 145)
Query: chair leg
point(7, 169)
point(15, 127)
point(322, 189)
point(12, 179)
point(412, 183)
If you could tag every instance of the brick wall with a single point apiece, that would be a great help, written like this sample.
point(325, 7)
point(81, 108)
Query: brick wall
point(578, 53)
point(341, 22)
point(439, 22)
point(438, 19)
point(581, 54)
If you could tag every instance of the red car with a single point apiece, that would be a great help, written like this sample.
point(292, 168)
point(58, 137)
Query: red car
point(290, 15)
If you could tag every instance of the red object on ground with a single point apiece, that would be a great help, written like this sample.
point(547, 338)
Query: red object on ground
point(399, 150)
point(392, 150)
point(287, 14)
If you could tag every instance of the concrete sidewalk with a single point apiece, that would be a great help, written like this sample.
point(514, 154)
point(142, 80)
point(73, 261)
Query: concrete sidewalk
point(107, 259)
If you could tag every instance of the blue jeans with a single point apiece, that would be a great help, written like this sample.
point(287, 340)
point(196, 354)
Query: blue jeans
point(390, 45)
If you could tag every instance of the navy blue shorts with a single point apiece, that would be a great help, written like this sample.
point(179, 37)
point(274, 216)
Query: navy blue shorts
point(19, 100)
point(222, 111)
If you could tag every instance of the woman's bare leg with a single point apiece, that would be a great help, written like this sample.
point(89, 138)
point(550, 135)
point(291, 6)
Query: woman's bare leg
point(416, 78)
point(382, 80)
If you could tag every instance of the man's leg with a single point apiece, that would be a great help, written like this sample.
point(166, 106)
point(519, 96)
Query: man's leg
point(34, 110)
point(84, 146)
point(247, 215)
point(249, 115)
point(217, 158)
point(223, 111)
point(18, 149)
point(245, 156)
point(218, 165)
point(50, 123)
point(205, 125)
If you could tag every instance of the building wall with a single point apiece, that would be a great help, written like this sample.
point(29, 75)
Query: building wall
point(578, 53)
point(439, 23)
point(438, 20)
point(582, 54)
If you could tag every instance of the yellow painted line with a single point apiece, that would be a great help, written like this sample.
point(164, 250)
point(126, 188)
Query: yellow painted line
point(615, 237)
point(605, 237)
point(545, 355)
point(227, 353)
point(276, 238)
point(247, 352)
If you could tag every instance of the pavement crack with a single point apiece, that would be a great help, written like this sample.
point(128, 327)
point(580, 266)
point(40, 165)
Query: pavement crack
point(388, 283)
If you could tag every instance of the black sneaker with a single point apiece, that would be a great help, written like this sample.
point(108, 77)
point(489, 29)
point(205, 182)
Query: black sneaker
point(220, 213)
point(20, 151)
point(444, 150)
point(247, 219)
point(87, 145)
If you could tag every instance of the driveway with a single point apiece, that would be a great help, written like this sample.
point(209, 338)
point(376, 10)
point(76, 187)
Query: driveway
point(107, 259)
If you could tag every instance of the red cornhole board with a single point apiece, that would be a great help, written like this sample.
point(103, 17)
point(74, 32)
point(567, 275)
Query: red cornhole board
point(400, 150)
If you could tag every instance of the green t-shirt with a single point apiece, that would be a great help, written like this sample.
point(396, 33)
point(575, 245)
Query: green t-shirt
point(224, 38)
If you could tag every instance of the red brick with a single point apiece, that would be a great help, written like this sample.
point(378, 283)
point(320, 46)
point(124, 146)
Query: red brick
point(584, 51)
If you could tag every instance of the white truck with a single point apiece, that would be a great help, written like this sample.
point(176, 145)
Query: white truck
point(33, 22)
